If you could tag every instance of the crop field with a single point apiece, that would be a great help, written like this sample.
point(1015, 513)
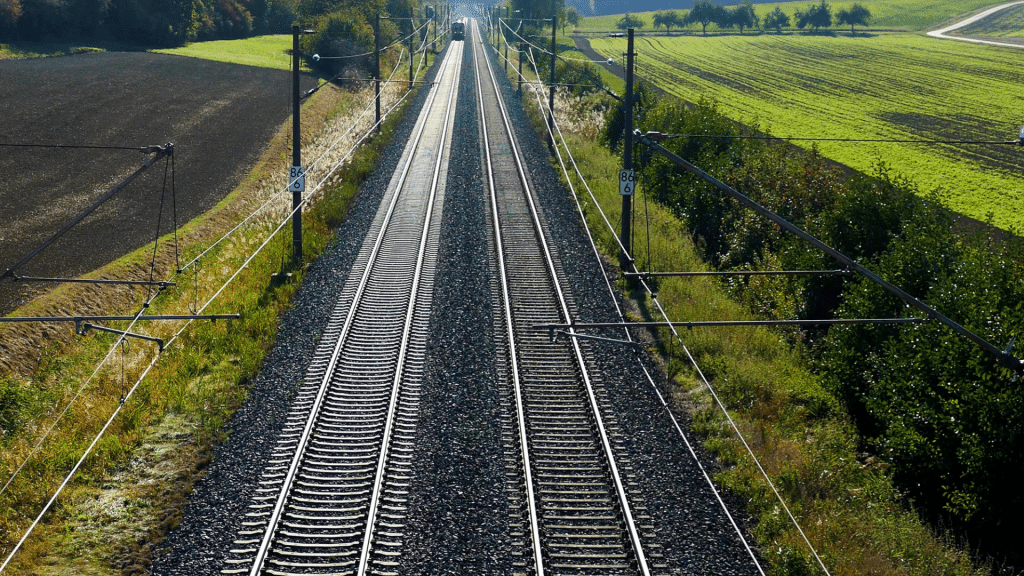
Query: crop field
point(897, 14)
point(890, 87)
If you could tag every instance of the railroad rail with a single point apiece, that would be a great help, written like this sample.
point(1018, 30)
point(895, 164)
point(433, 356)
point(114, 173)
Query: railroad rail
point(331, 498)
point(577, 512)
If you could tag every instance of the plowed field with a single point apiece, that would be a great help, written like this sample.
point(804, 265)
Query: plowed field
point(219, 117)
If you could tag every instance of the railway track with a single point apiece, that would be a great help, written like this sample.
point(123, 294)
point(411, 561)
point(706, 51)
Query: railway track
point(334, 497)
point(331, 500)
point(577, 513)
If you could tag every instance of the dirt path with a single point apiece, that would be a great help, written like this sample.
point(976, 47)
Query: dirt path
point(616, 67)
point(968, 21)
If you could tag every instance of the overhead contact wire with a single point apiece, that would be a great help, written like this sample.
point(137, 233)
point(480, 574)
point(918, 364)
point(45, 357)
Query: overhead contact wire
point(629, 336)
point(276, 196)
point(714, 395)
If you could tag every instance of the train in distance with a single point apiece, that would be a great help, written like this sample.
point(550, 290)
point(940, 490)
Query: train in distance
point(458, 30)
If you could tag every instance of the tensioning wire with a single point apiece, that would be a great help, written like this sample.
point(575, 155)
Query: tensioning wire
point(71, 146)
point(863, 140)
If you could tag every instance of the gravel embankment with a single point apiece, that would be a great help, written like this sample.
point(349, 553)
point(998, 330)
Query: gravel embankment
point(457, 507)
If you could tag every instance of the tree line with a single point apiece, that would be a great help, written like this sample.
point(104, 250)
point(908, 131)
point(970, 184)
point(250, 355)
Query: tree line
point(164, 23)
point(142, 22)
point(706, 12)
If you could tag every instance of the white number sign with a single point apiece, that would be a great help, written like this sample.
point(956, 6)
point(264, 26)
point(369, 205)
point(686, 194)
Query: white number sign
point(627, 181)
point(297, 179)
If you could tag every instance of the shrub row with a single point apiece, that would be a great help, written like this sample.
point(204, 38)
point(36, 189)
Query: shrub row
point(945, 414)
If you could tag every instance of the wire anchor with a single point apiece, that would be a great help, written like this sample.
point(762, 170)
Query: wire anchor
point(82, 327)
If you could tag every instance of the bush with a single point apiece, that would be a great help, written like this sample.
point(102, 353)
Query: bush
point(583, 77)
point(941, 410)
point(345, 33)
point(643, 100)
point(928, 400)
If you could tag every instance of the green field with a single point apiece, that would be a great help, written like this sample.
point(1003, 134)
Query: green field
point(892, 86)
point(263, 51)
point(898, 14)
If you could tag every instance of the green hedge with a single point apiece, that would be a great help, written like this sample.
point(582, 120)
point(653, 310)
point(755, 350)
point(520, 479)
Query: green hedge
point(942, 411)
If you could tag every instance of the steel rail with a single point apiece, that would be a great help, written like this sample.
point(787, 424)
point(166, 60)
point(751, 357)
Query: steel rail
point(630, 523)
point(507, 313)
point(630, 341)
point(360, 292)
point(410, 314)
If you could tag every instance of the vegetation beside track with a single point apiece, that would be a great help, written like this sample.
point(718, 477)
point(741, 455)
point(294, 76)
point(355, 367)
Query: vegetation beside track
point(852, 482)
point(132, 489)
point(19, 50)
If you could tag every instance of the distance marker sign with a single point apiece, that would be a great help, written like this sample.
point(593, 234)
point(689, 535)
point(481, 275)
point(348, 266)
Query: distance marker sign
point(297, 179)
point(627, 182)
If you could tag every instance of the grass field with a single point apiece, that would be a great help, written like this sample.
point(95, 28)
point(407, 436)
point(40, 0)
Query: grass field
point(892, 86)
point(263, 51)
point(898, 14)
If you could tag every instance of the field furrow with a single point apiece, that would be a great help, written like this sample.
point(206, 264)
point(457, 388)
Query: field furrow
point(888, 86)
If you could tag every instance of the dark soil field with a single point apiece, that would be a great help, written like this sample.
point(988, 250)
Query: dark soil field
point(218, 116)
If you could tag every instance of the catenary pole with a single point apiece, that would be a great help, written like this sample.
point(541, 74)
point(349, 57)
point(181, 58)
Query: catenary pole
point(626, 258)
point(376, 66)
point(296, 178)
point(551, 92)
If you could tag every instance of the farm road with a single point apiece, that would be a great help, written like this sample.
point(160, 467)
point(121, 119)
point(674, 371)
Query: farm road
point(618, 67)
point(219, 116)
point(968, 21)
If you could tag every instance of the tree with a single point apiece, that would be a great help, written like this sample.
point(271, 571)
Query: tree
point(705, 12)
point(776, 19)
point(817, 16)
point(743, 16)
point(538, 8)
point(572, 18)
point(629, 21)
point(857, 14)
point(10, 12)
point(667, 19)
